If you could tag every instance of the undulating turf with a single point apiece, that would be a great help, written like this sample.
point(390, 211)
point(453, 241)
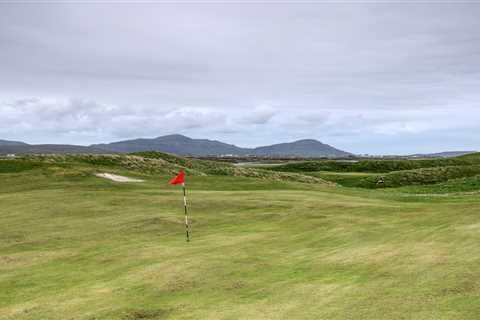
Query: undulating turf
point(74, 246)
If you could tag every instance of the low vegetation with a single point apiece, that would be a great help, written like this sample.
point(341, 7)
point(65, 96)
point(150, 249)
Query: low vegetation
point(346, 179)
point(374, 166)
point(9, 166)
point(147, 163)
point(419, 176)
point(387, 173)
point(206, 166)
point(74, 246)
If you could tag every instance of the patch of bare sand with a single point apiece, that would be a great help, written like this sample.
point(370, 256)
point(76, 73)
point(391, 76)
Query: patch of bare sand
point(117, 178)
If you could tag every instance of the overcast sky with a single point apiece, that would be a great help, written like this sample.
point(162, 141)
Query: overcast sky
point(377, 78)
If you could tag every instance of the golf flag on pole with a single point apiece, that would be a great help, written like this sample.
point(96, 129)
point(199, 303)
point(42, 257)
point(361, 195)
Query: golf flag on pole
point(180, 179)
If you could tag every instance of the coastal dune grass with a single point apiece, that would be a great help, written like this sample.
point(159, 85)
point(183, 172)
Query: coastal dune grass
point(423, 176)
point(74, 246)
point(374, 166)
point(375, 174)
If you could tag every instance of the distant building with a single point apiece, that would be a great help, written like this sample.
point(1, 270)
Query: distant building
point(11, 156)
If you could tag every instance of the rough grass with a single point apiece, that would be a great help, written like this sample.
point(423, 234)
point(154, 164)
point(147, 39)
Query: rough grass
point(470, 156)
point(146, 164)
point(73, 246)
point(346, 179)
point(11, 166)
point(419, 176)
point(101, 162)
point(452, 186)
point(374, 166)
point(396, 173)
point(205, 166)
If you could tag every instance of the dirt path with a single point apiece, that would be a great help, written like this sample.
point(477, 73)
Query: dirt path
point(117, 178)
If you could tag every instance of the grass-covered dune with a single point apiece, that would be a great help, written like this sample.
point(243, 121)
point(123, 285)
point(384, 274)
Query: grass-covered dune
point(387, 173)
point(75, 246)
point(144, 164)
point(465, 185)
point(374, 166)
point(419, 176)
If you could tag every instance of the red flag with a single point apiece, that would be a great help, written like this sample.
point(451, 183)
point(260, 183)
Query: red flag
point(180, 178)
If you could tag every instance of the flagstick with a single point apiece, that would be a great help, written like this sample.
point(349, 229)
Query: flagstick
point(186, 213)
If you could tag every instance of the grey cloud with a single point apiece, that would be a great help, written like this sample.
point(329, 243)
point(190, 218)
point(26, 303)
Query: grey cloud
point(259, 115)
point(331, 71)
point(51, 116)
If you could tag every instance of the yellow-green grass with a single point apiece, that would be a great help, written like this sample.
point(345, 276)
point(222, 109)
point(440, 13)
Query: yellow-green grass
point(424, 176)
point(346, 179)
point(73, 246)
point(145, 163)
point(376, 166)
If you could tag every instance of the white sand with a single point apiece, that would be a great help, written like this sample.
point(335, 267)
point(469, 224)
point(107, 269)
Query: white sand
point(117, 178)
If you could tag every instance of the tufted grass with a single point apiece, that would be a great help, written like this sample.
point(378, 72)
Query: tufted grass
point(74, 246)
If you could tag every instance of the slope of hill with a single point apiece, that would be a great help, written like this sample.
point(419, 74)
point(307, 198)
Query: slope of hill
point(424, 176)
point(471, 157)
point(12, 143)
point(142, 164)
point(174, 143)
point(445, 154)
point(181, 145)
point(391, 173)
point(374, 166)
point(301, 148)
point(47, 149)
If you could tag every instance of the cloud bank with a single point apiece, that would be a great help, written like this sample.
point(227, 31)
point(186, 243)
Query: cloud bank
point(376, 78)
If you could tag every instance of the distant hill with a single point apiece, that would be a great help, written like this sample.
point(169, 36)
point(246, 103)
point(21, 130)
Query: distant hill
point(182, 145)
point(47, 149)
point(301, 148)
point(175, 143)
point(12, 143)
point(446, 154)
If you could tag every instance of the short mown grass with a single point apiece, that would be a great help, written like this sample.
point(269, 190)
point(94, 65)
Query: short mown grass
point(74, 246)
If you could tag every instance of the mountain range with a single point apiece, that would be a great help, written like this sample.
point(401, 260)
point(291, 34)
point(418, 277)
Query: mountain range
point(182, 145)
point(12, 143)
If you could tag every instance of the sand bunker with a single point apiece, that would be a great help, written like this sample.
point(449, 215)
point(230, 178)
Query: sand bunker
point(117, 178)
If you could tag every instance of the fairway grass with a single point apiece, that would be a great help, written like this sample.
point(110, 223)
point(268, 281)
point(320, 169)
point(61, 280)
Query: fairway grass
point(74, 246)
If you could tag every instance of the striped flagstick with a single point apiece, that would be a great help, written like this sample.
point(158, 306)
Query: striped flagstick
point(180, 179)
point(187, 226)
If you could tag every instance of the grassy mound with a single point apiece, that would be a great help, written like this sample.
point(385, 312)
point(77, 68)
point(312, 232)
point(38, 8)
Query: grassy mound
point(471, 156)
point(110, 162)
point(420, 176)
point(89, 249)
point(269, 175)
point(12, 166)
point(227, 169)
point(374, 166)
point(452, 186)
point(145, 163)
point(206, 166)
point(345, 179)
